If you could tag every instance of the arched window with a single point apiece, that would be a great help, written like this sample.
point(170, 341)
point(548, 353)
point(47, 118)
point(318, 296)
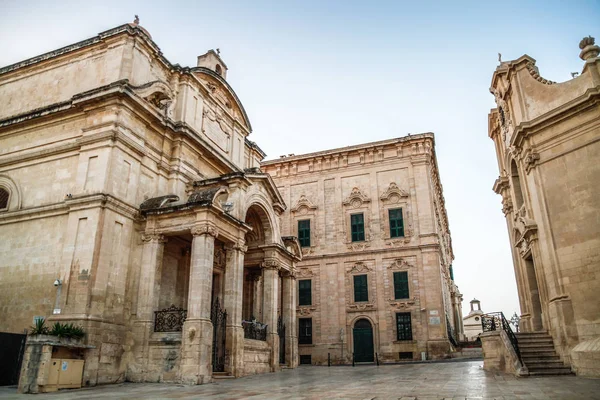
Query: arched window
point(218, 69)
point(516, 184)
point(4, 195)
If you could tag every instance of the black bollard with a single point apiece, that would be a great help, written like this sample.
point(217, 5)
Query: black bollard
point(377, 359)
point(353, 359)
point(329, 359)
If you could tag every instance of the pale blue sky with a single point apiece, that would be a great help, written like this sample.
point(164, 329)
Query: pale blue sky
point(321, 74)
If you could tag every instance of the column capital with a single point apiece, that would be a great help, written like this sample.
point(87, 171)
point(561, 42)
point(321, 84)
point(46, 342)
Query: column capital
point(270, 264)
point(148, 237)
point(239, 245)
point(204, 229)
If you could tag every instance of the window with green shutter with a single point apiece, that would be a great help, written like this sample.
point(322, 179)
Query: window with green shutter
point(396, 223)
point(361, 289)
point(357, 225)
point(401, 285)
point(304, 232)
point(305, 331)
point(304, 292)
point(404, 326)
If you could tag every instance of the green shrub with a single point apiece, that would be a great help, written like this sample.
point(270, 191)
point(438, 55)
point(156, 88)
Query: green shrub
point(67, 331)
point(39, 327)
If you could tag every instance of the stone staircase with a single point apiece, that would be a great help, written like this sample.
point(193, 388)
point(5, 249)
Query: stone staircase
point(539, 356)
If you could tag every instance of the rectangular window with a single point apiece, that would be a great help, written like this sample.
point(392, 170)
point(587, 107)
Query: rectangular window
point(361, 289)
point(304, 292)
point(404, 326)
point(357, 225)
point(305, 331)
point(304, 232)
point(396, 223)
point(305, 359)
point(401, 285)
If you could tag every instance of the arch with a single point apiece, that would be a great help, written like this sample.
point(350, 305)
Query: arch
point(262, 206)
point(12, 194)
point(258, 218)
point(363, 323)
point(516, 184)
point(218, 69)
point(363, 341)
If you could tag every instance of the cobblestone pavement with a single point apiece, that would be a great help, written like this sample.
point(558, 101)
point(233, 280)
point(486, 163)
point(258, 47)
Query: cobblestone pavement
point(457, 380)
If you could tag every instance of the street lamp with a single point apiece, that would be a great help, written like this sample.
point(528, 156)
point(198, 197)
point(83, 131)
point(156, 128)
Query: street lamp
point(515, 321)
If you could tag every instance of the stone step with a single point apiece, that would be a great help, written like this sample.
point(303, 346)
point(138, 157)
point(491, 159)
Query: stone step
point(536, 346)
point(548, 342)
point(551, 371)
point(533, 336)
point(532, 357)
point(222, 375)
point(543, 364)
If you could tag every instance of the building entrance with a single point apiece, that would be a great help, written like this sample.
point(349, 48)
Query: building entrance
point(363, 341)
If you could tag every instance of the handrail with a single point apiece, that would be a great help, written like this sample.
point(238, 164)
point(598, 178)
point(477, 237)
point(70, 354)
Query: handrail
point(496, 321)
point(451, 333)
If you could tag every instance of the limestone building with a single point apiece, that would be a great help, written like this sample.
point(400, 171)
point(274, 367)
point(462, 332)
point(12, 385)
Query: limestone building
point(376, 275)
point(130, 183)
point(472, 322)
point(546, 136)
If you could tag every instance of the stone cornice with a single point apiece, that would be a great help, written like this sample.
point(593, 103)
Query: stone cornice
point(384, 250)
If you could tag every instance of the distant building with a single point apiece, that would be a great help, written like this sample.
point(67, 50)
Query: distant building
point(547, 140)
point(472, 322)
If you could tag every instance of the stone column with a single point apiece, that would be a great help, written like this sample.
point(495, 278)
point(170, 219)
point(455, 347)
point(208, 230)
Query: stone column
point(152, 258)
point(233, 299)
point(270, 295)
point(197, 335)
point(288, 308)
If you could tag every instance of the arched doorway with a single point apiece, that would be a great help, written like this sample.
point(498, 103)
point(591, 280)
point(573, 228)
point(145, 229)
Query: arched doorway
point(363, 341)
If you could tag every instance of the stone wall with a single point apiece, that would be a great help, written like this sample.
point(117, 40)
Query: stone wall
point(257, 357)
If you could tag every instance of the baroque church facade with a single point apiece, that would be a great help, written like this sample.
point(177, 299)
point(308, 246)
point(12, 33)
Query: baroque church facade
point(546, 140)
point(130, 182)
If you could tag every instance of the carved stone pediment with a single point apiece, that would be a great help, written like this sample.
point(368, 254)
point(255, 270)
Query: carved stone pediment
point(393, 194)
point(303, 311)
point(355, 199)
point(303, 205)
point(402, 304)
point(304, 273)
point(358, 246)
point(360, 307)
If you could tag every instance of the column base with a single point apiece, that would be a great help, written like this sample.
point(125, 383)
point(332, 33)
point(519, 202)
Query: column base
point(234, 353)
point(196, 352)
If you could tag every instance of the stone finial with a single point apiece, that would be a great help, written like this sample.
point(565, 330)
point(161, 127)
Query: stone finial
point(588, 48)
point(136, 20)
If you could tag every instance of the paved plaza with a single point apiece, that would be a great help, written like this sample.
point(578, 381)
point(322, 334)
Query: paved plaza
point(455, 380)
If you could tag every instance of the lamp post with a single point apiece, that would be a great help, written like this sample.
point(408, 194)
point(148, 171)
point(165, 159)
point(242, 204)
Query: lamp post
point(515, 321)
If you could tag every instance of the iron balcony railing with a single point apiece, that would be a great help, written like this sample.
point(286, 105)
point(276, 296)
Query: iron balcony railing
point(254, 330)
point(169, 319)
point(496, 321)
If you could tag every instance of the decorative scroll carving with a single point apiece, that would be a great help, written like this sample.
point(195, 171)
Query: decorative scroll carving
point(393, 194)
point(359, 246)
point(169, 319)
point(402, 304)
point(360, 307)
point(153, 237)
point(359, 267)
point(303, 205)
point(534, 72)
point(271, 264)
point(531, 160)
point(355, 199)
point(206, 229)
point(304, 273)
point(400, 264)
point(305, 310)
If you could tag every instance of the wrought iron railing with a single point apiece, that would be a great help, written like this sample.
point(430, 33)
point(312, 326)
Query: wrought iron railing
point(254, 330)
point(496, 321)
point(451, 334)
point(169, 319)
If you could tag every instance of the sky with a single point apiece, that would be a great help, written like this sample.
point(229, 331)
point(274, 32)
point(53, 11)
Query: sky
point(314, 75)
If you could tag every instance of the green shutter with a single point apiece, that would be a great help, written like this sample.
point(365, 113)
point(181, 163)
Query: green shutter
point(304, 292)
point(304, 232)
point(396, 223)
point(357, 226)
point(401, 285)
point(361, 289)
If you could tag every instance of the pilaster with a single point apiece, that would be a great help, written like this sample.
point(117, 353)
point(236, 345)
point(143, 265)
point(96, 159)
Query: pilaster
point(234, 285)
point(270, 300)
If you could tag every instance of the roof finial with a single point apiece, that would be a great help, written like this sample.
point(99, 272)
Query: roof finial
point(136, 20)
point(218, 50)
point(588, 48)
point(500, 58)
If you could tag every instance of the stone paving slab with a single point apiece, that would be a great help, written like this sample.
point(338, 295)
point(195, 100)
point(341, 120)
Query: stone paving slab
point(458, 380)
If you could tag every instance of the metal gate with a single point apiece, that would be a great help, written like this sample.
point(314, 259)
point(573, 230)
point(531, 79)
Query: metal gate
point(218, 316)
point(281, 332)
point(12, 347)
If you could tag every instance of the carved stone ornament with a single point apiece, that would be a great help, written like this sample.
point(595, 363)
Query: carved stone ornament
point(153, 237)
point(507, 206)
point(303, 205)
point(402, 304)
point(358, 246)
point(304, 273)
point(360, 307)
point(215, 117)
point(399, 242)
point(305, 310)
point(588, 47)
point(204, 230)
point(393, 194)
point(219, 258)
point(306, 251)
point(270, 264)
point(355, 199)
point(531, 160)
point(505, 120)
point(359, 267)
point(534, 72)
point(400, 264)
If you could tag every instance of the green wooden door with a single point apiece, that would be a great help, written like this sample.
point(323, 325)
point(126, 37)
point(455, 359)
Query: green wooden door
point(363, 341)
